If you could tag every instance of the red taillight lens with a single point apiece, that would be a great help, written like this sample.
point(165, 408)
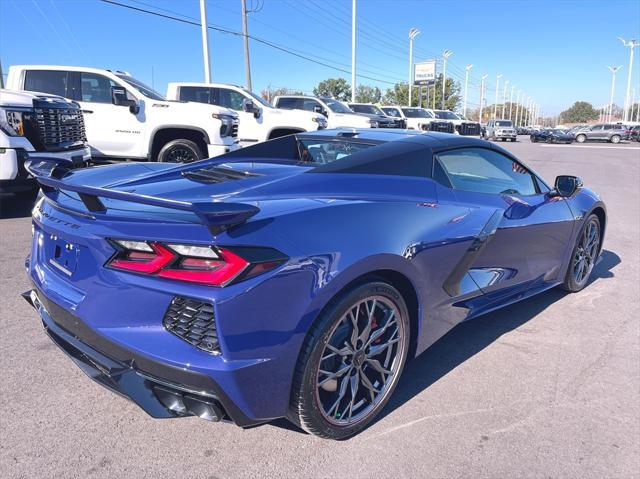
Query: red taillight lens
point(195, 264)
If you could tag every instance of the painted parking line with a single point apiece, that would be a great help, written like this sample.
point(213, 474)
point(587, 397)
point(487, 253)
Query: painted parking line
point(593, 146)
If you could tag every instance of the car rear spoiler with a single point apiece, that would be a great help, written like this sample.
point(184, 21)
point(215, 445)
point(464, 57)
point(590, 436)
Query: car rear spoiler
point(216, 216)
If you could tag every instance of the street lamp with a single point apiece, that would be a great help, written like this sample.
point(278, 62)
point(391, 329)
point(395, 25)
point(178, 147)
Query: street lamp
point(495, 103)
point(518, 107)
point(413, 33)
point(511, 102)
point(631, 44)
point(466, 84)
point(613, 71)
point(504, 96)
point(482, 79)
point(445, 54)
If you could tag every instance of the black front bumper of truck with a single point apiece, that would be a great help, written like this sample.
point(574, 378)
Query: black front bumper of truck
point(161, 390)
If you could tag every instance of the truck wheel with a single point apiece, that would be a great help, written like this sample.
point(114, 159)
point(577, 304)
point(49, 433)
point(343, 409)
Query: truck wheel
point(615, 139)
point(180, 151)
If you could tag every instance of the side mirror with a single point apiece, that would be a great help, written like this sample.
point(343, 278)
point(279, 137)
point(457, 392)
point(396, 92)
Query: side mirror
point(119, 98)
point(250, 107)
point(319, 109)
point(567, 185)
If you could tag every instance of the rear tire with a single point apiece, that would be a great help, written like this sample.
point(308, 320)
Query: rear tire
point(180, 151)
point(581, 138)
point(584, 255)
point(347, 370)
point(615, 139)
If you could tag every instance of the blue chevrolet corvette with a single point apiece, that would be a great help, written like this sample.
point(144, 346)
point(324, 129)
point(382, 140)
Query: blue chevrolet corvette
point(296, 277)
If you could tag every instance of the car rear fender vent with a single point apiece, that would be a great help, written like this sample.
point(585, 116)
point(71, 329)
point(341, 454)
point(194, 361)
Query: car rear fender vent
point(194, 322)
point(216, 174)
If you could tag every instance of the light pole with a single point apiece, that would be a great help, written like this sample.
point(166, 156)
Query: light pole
point(247, 65)
point(613, 71)
point(504, 96)
point(445, 54)
point(495, 103)
point(466, 84)
point(518, 107)
point(353, 51)
point(631, 44)
point(413, 33)
point(483, 78)
point(511, 102)
point(205, 41)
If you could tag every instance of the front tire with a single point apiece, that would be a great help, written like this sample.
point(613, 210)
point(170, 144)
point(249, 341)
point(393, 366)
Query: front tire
point(581, 138)
point(584, 255)
point(615, 139)
point(180, 151)
point(351, 362)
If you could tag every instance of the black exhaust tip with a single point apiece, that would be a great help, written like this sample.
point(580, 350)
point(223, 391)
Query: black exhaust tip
point(208, 410)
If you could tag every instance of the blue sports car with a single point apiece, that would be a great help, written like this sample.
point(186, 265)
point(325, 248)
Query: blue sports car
point(296, 277)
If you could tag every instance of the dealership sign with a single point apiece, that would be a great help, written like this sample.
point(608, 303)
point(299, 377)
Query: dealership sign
point(424, 73)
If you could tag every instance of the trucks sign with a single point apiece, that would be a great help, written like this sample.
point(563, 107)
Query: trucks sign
point(424, 73)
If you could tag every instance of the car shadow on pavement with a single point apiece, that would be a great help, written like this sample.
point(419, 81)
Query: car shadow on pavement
point(17, 205)
point(467, 339)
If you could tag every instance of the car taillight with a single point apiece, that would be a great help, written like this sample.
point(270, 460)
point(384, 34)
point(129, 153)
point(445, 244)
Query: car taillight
point(214, 266)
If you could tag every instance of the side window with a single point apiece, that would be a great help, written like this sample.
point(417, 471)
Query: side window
point(230, 99)
point(287, 103)
point(95, 88)
point(48, 81)
point(198, 94)
point(596, 128)
point(610, 127)
point(486, 171)
point(309, 105)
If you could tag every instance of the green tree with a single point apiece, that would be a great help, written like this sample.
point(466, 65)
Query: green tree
point(337, 88)
point(270, 92)
point(399, 95)
point(368, 94)
point(579, 112)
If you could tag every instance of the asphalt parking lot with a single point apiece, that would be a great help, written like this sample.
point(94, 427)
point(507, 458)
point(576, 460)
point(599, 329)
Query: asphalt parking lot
point(545, 388)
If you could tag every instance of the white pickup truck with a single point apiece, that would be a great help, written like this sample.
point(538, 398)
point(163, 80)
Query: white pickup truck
point(338, 114)
point(259, 120)
point(38, 126)
point(125, 119)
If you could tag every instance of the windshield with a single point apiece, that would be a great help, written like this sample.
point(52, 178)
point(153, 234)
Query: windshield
point(504, 123)
point(417, 113)
point(142, 88)
point(336, 106)
point(446, 115)
point(257, 98)
point(370, 109)
point(326, 150)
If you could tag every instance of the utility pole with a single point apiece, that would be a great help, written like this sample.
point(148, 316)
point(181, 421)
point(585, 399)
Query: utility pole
point(613, 71)
point(518, 107)
point(205, 41)
point(445, 54)
point(1, 77)
point(247, 65)
point(631, 44)
point(511, 103)
point(414, 32)
point(353, 51)
point(495, 103)
point(504, 96)
point(466, 85)
point(483, 78)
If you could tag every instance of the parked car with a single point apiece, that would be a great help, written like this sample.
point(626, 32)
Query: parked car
point(375, 114)
point(295, 277)
point(634, 135)
point(125, 119)
point(523, 130)
point(338, 114)
point(38, 126)
point(500, 130)
point(465, 126)
point(399, 120)
point(551, 135)
point(611, 132)
point(259, 120)
point(415, 118)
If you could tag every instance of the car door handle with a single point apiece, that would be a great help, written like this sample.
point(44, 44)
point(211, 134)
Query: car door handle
point(87, 112)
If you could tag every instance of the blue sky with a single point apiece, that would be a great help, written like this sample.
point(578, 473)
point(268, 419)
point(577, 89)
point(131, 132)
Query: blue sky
point(556, 51)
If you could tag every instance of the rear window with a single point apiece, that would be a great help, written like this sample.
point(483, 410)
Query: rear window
point(48, 81)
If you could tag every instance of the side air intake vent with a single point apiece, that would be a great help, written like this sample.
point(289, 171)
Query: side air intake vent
point(216, 174)
point(194, 322)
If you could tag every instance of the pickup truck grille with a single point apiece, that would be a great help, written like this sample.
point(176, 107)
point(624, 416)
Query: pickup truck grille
point(442, 126)
point(469, 129)
point(60, 128)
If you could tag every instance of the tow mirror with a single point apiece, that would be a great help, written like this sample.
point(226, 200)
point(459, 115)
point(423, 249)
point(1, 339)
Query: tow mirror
point(567, 185)
point(250, 107)
point(319, 109)
point(120, 98)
